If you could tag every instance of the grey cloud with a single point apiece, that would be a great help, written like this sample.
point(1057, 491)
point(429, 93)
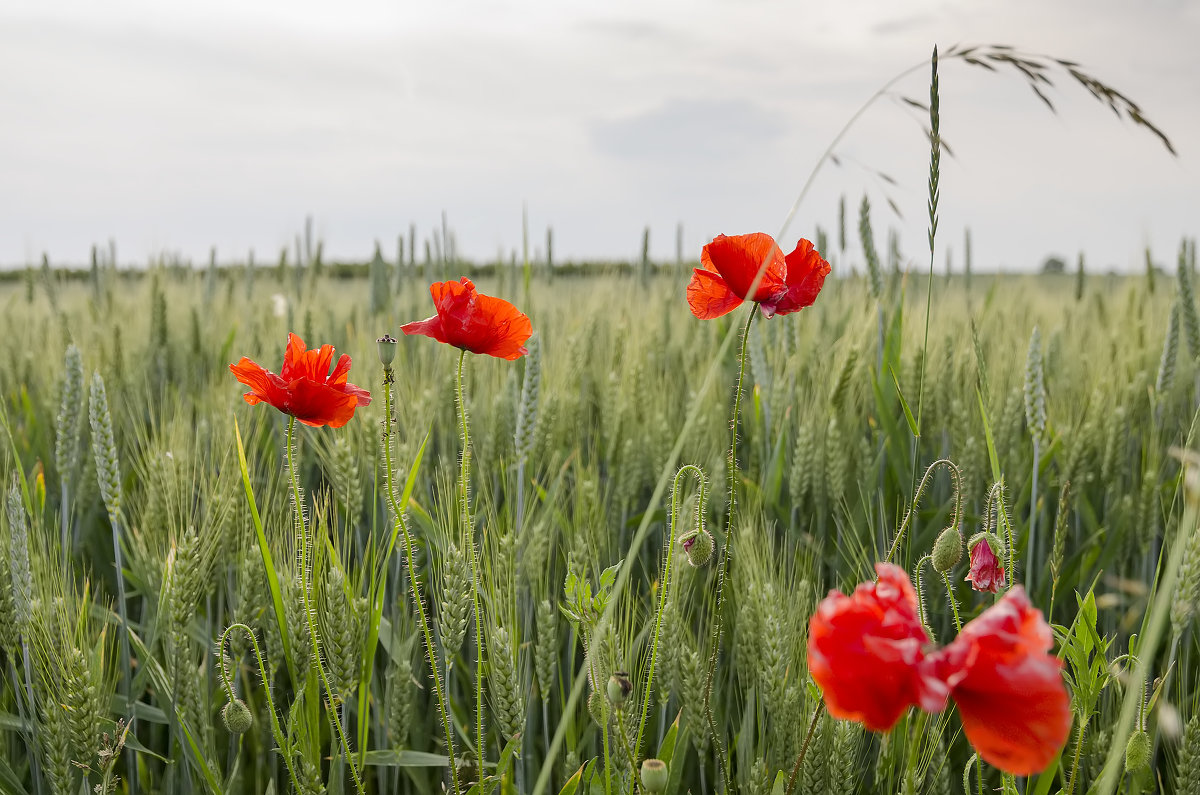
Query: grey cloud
point(688, 129)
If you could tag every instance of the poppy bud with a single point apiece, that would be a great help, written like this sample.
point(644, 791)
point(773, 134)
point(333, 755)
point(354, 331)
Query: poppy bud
point(698, 546)
point(654, 775)
point(237, 717)
point(1137, 751)
point(619, 688)
point(387, 349)
point(987, 558)
point(947, 550)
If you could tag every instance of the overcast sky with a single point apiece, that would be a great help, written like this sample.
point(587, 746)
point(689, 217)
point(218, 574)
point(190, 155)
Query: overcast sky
point(175, 127)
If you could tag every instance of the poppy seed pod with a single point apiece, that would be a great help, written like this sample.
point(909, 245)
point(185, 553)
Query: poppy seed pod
point(237, 717)
point(698, 546)
point(947, 550)
point(387, 349)
point(654, 775)
point(619, 688)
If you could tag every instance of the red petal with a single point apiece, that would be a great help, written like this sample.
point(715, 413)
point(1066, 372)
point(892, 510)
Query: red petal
point(1009, 691)
point(740, 258)
point(806, 272)
point(866, 652)
point(709, 296)
point(265, 386)
point(429, 327)
point(316, 404)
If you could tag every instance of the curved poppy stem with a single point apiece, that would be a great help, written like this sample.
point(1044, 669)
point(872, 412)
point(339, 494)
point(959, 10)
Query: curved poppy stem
point(723, 566)
point(309, 613)
point(464, 506)
point(401, 527)
point(276, 729)
point(955, 476)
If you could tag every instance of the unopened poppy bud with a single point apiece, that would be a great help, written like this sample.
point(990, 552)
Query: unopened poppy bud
point(654, 775)
point(387, 349)
point(237, 717)
point(947, 550)
point(698, 546)
point(619, 688)
point(1137, 751)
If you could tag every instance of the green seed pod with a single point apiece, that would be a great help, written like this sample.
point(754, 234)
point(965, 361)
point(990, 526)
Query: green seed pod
point(698, 546)
point(947, 550)
point(237, 717)
point(654, 775)
point(619, 687)
point(387, 349)
point(1137, 751)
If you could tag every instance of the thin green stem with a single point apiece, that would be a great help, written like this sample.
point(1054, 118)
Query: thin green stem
point(953, 600)
point(726, 552)
point(309, 614)
point(464, 499)
point(664, 592)
point(276, 729)
point(812, 727)
point(955, 475)
point(401, 527)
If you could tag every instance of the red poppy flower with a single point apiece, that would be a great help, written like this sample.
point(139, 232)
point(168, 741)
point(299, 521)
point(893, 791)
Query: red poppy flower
point(305, 388)
point(986, 573)
point(474, 322)
point(788, 284)
point(1009, 691)
point(867, 652)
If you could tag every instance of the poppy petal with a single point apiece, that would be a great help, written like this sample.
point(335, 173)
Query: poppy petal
point(429, 327)
point(1009, 691)
point(317, 404)
point(740, 258)
point(709, 296)
point(310, 393)
point(805, 275)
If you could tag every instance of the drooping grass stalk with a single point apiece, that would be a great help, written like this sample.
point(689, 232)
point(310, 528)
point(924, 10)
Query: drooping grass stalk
point(306, 586)
point(276, 730)
point(401, 528)
point(464, 506)
point(935, 160)
point(726, 551)
point(664, 591)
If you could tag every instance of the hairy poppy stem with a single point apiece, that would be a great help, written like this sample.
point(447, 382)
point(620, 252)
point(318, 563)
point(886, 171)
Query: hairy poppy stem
point(306, 575)
point(664, 592)
point(812, 727)
point(276, 730)
point(414, 584)
point(723, 565)
point(464, 497)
